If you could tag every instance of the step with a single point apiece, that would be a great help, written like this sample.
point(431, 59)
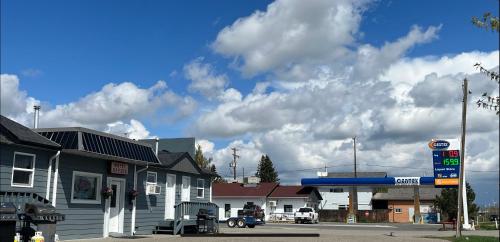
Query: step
point(163, 231)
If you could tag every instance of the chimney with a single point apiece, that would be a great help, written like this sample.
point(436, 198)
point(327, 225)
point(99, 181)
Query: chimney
point(157, 140)
point(36, 113)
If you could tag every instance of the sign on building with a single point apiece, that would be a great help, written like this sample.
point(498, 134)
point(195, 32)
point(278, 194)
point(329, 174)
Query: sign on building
point(406, 181)
point(118, 168)
point(446, 162)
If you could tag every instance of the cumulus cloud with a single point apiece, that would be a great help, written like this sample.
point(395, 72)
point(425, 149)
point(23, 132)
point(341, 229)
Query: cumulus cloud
point(289, 33)
point(115, 108)
point(203, 79)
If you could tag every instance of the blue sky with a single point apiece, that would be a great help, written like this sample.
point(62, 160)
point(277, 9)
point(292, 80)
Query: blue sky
point(65, 52)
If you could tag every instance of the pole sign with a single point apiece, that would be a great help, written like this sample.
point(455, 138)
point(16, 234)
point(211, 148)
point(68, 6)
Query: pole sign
point(446, 161)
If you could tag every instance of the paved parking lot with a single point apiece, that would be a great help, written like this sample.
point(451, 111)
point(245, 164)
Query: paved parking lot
point(327, 232)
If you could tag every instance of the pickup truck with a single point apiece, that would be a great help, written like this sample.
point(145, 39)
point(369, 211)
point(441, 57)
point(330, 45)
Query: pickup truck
point(306, 214)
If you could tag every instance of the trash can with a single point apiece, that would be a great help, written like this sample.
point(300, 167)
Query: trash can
point(8, 218)
point(44, 216)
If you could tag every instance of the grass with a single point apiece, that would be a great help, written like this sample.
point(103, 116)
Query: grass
point(487, 226)
point(471, 238)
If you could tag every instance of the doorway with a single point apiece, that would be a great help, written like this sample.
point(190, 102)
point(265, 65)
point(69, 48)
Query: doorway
point(170, 197)
point(115, 206)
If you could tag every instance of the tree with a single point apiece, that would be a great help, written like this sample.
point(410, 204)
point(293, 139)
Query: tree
point(266, 171)
point(201, 161)
point(447, 202)
point(486, 101)
point(205, 163)
point(216, 178)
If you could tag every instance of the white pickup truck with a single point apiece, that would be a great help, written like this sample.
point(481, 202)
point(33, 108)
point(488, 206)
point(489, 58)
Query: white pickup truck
point(306, 214)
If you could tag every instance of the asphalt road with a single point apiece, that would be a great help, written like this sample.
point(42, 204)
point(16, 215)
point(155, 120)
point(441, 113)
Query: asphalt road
point(327, 232)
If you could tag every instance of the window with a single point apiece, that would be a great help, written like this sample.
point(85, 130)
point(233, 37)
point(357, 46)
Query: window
point(151, 178)
point(200, 188)
point(227, 210)
point(343, 207)
point(398, 210)
point(85, 187)
point(338, 190)
point(23, 170)
point(288, 208)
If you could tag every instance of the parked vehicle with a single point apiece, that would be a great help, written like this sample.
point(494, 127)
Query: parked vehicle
point(493, 217)
point(252, 210)
point(250, 216)
point(306, 214)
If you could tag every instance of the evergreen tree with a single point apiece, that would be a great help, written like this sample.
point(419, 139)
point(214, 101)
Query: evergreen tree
point(266, 171)
point(216, 178)
point(201, 161)
point(447, 202)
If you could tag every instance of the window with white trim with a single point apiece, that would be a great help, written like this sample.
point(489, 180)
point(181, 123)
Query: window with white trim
point(23, 170)
point(152, 178)
point(200, 188)
point(398, 210)
point(86, 187)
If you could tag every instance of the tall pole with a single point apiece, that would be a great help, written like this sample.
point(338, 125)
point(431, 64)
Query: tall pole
point(235, 156)
point(462, 158)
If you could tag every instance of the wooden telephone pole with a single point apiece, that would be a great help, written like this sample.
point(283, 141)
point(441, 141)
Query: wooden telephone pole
point(461, 184)
point(233, 164)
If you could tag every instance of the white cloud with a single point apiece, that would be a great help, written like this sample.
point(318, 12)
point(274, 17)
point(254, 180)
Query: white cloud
point(134, 130)
point(107, 109)
point(203, 78)
point(290, 33)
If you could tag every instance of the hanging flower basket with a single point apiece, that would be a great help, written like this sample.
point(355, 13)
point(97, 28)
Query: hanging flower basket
point(107, 192)
point(133, 194)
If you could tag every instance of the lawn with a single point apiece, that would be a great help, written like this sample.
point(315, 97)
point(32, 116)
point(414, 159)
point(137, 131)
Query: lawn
point(473, 238)
point(487, 226)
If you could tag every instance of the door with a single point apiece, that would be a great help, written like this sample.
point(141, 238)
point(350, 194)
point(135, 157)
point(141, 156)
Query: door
point(170, 197)
point(115, 205)
point(411, 212)
point(186, 187)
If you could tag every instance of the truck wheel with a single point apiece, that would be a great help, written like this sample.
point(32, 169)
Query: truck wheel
point(241, 223)
point(231, 223)
point(251, 226)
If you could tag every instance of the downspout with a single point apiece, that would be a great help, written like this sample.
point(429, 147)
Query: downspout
point(134, 202)
point(54, 186)
point(49, 174)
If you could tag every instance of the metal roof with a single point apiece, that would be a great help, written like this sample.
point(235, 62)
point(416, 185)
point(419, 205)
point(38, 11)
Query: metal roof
point(98, 144)
point(174, 145)
point(358, 174)
point(12, 132)
point(403, 194)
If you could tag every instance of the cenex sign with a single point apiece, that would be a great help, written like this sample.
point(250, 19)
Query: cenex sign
point(406, 181)
point(439, 144)
point(446, 162)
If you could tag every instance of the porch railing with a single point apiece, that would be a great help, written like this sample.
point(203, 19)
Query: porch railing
point(21, 198)
point(188, 210)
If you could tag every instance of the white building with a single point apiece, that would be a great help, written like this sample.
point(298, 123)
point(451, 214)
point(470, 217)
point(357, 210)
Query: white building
point(231, 197)
point(337, 197)
point(278, 202)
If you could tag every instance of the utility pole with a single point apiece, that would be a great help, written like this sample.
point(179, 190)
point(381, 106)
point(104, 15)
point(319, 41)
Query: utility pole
point(233, 164)
point(353, 196)
point(461, 185)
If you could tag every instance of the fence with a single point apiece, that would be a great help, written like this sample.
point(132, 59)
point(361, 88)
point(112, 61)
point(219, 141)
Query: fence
point(363, 216)
point(281, 217)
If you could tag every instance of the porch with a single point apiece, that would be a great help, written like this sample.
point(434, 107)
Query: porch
point(185, 218)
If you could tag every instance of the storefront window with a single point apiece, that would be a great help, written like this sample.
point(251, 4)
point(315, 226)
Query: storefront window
point(85, 187)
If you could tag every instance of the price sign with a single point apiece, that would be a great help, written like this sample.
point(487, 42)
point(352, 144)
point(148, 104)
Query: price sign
point(446, 167)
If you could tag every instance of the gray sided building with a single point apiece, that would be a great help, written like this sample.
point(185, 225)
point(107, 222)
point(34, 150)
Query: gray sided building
point(72, 168)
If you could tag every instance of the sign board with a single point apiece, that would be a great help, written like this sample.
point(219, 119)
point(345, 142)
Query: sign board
point(446, 162)
point(406, 181)
point(118, 168)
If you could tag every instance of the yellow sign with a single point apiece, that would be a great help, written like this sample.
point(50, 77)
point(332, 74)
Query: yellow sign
point(446, 181)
